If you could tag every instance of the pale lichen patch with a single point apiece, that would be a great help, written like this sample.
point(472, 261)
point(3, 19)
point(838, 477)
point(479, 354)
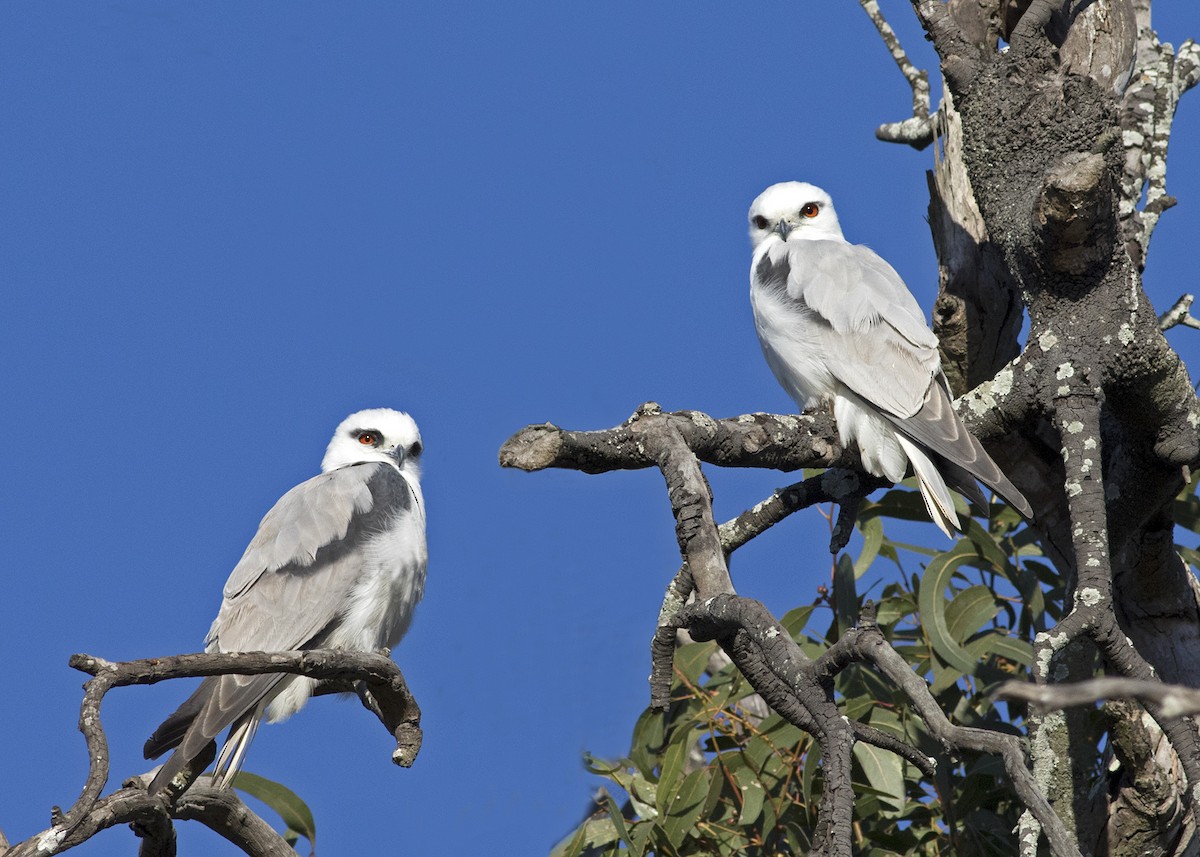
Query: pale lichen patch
point(1002, 384)
point(51, 839)
point(1090, 596)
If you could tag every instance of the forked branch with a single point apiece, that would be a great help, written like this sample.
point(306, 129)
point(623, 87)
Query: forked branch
point(376, 678)
point(796, 687)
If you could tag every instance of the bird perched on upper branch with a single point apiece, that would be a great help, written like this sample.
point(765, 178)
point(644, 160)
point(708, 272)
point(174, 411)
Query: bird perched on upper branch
point(837, 324)
point(338, 562)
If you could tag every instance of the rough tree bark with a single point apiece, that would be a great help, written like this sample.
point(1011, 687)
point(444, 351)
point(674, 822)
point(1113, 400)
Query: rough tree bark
point(1049, 180)
point(1048, 149)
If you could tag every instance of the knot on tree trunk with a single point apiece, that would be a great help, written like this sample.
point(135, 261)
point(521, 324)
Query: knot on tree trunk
point(1074, 213)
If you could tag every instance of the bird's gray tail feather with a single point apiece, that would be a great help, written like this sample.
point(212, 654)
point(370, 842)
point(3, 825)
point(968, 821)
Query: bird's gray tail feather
point(175, 727)
point(938, 500)
point(218, 702)
point(940, 432)
point(233, 753)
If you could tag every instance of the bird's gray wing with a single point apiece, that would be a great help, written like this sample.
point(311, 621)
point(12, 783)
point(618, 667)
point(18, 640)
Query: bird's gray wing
point(315, 513)
point(294, 579)
point(288, 589)
point(871, 329)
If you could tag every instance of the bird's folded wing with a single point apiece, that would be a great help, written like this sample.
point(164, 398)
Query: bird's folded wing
point(299, 570)
point(874, 336)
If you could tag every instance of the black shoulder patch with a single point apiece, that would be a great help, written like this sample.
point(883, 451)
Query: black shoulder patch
point(389, 489)
point(772, 276)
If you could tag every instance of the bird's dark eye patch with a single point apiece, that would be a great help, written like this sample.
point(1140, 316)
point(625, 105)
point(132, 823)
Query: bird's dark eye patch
point(810, 210)
point(369, 437)
point(415, 449)
point(760, 222)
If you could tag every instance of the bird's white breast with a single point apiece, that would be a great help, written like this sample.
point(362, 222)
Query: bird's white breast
point(795, 340)
point(792, 341)
point(380, 606)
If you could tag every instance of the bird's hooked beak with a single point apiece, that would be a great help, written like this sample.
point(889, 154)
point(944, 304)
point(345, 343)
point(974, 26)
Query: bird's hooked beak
point(782, 228)
point(398, 455)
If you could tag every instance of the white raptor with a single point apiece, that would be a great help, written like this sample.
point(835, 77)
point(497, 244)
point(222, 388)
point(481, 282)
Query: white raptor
point(338, 563)
point(837, 324)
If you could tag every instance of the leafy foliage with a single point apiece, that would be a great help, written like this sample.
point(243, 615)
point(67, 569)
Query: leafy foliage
point(720, 774)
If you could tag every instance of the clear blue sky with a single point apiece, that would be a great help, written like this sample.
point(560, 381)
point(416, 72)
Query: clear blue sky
point(227, 225)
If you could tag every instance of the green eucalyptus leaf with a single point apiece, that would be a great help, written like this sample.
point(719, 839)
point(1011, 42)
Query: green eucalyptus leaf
point(691, 659)
point(672, 766)
point(969, 611)
point(796, 620)
point(751, 794)
point(845, 592)
point(998, 643)
point(618, 820)
point(686, 805)
point(872, 532)
point(294, 811)
point(884, 771)
point(938, 576)
point(593, 833)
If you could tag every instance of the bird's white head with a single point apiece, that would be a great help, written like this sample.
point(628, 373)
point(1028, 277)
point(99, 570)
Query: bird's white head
point(793, 211)
point(377, 434)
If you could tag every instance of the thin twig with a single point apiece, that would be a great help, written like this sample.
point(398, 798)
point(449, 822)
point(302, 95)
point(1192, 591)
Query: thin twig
point(1180, 313)
point(1173, 699)
point(918, 130)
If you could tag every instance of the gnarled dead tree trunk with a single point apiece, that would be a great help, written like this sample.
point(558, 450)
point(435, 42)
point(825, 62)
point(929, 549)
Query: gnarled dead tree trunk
point(1049, 180)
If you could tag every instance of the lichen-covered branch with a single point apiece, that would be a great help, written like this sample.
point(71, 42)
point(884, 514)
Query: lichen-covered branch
point(917, 131)
point(960, 57)
point(779, 442)
point(1147, 113)
point(872, 647)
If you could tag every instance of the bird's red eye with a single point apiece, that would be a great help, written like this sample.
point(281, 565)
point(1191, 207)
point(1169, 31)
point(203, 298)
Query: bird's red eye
point(368, 438)
point(760, 222)
point(810, 210)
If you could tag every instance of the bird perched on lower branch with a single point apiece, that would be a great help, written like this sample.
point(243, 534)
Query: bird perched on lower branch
point(338, 563)
point(837, 324)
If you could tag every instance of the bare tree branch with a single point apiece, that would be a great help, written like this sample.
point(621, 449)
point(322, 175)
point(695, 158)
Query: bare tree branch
point(1180, 313)
point(1173, 700)
point(754, 440)
point(386, 694)
point(960, 57)
point(918, 130)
